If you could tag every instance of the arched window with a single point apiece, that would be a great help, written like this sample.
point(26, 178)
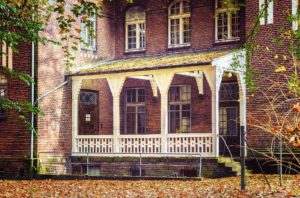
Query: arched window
point(179, 24)
point(3, 93)
point(135, 29)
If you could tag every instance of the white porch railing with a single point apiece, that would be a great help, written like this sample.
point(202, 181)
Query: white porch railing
point(188, 143)
point(94, 144)
point(140, 143)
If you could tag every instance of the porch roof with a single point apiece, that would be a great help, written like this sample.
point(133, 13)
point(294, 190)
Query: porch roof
point(148, 63)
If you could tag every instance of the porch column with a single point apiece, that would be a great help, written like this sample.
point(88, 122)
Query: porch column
point(243, 102)
point(217, 76)
point(76, 84)
point(163, 81)
point(116, 84)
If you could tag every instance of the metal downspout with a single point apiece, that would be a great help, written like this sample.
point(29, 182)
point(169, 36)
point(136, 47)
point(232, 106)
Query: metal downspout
point(32, 114)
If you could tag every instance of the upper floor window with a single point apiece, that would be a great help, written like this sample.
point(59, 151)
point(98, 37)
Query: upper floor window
point(180, 109)
point(296, 14)
point(135, 29)
point(3, 93)
point(88, 33)
point(179, 23)
point(135, 111)
point(227, 20)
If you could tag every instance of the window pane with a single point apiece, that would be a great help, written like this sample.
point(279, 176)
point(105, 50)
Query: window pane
point(174, 94)
point(88, 32)
point(228, 121)
point(142, 36)
point(88, 98)
point(174, 121)
point(186, 121)
point(141, 95)
point(232, 122)
point(131, 120)
point(229, 92)
point(132, 36)
point(131, 95)
point(223, 121)
point(223, 26)
point(186, 7)
point(226, 3)
point(235, 25)
point(141, 120)
point(175, 31)
point(186, 30)
point(175, 9)
point(185, 93)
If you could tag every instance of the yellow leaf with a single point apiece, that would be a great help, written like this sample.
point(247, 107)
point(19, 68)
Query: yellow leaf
point(284, 57)
point(280, 69)
point(267, 49)
point(276, 56)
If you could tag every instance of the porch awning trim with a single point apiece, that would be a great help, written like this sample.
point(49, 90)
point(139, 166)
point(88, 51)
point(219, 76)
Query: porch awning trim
point(148, 63)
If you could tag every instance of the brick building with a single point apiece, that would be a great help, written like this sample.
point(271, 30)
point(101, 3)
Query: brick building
point(156, 78)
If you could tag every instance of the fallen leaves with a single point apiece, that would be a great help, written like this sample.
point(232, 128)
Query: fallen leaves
point(296, 108)
point(225, 187)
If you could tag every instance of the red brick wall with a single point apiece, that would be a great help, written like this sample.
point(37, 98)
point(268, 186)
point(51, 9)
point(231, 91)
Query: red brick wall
point(202, 28)
point(55, 130)
point(14, 135)
point(256, 104)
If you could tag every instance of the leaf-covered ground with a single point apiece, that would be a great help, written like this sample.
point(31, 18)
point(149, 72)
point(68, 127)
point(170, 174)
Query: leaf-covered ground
point(227, 187)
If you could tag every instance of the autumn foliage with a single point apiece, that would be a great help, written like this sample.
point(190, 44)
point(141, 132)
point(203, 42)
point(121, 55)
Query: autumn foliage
point(226, 187)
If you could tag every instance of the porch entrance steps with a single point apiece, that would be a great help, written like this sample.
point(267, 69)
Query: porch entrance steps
point(230, 163)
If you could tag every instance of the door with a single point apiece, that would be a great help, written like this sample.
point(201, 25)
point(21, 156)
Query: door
point(88, 113)
point(229, 131)
point(229, 119)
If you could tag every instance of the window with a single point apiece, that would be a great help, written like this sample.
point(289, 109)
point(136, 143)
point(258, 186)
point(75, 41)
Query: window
point(135, 29)
point(88, 97)
point(229, 92)
point(88, 33)
point(267, 13)
point(180, 109)
point(179, 24)
point(228, 123)
point(296, 13)
point(227, 20)
point(135, 111)
point(3, 93)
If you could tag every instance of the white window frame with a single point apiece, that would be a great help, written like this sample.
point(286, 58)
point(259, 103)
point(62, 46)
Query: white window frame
point(180, 103)
point(267, 13)
point(87, 37)
point(3, 92)
point(229, 21)
point(136, 105)
point(179, 16)
point(295, 7)
point(137, 23)
point(138, 32)
point(3, 86)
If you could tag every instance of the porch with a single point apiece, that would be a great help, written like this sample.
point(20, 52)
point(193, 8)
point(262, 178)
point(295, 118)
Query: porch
point(158, 72)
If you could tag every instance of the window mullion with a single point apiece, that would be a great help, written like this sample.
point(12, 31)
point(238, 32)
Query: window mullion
point(136, 120)
point(138, 31)
point(180, 117)
point(229, 25)
point(181, 31)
